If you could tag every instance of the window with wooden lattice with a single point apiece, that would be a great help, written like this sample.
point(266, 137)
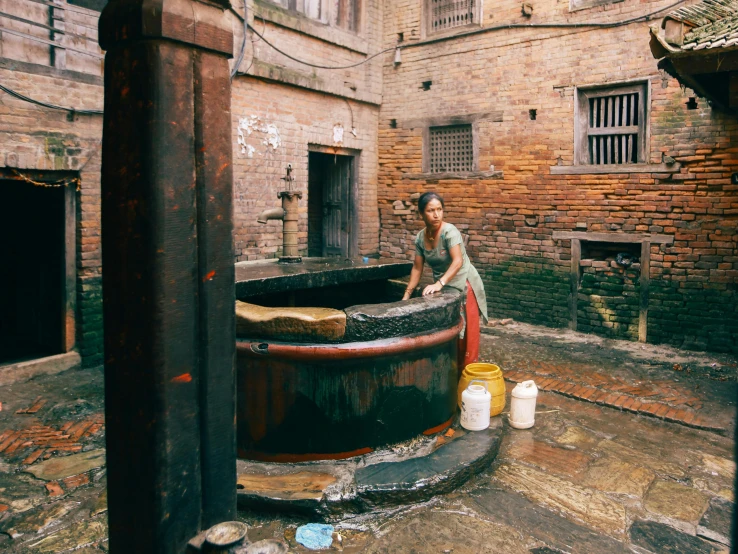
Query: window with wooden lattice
point(611, 125)
point(451, 149)
point(442, 15)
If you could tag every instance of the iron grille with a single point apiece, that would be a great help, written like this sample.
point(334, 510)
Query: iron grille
point(451, 149)
point(614, 129)
point(446, 14)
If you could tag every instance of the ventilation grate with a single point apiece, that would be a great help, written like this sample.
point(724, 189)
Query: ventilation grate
point(451, 149)
point(446, 14)
point(613, 129)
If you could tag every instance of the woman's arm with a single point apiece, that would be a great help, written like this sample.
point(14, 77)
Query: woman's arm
point(414, 276)
point(457, 260)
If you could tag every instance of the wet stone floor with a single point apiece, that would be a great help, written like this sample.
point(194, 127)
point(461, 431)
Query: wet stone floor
point(587, 478)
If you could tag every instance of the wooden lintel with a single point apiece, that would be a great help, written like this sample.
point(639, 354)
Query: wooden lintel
point(645, 280)
point(701, 62)
point(614, 169)
point(576, 255)
point(632, 238)
point(447, 176)
point(443, 121)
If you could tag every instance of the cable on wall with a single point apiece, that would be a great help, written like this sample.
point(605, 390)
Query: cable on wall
point(24, 98)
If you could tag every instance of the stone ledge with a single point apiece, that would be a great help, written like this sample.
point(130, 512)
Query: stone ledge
point(614, 169)
point(302, 24)
point(620, 400)
point(429, 467)
point(26, 370)
point(465, 175)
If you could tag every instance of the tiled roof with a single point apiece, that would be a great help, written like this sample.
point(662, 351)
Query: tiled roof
point(705, 12)
point(714, 22)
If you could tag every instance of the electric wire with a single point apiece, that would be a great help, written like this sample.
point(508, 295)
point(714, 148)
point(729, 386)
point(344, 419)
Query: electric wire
point(644, 17)
point(243, 42)
point(24, 98)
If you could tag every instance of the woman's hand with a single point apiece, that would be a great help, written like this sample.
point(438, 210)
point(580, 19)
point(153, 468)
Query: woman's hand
point(430, 289)
point(406, 296)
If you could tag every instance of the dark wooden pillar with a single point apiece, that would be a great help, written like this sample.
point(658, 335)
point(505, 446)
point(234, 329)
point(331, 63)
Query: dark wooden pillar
point(168, 276)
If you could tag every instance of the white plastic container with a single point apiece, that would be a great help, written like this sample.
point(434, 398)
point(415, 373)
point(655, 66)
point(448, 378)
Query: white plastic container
point(523, 405)
point(475, 406)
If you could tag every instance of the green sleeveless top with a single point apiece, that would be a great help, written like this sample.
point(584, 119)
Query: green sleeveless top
point(439, 260)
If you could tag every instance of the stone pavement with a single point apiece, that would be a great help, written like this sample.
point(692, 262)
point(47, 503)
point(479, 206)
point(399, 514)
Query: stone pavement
point(588, 478)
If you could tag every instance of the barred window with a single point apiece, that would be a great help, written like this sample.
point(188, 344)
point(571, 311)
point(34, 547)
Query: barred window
point(611, 126)
point(451, 149)
point(447, 14)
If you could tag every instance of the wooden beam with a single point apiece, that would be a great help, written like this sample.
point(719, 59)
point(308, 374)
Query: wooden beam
point(612, 169)
point(612, 237)
point(576, 256)
point(701, 62)
point(645, 281)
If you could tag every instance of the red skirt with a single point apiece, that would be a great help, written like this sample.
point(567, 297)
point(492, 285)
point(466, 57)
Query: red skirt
point(468, 352)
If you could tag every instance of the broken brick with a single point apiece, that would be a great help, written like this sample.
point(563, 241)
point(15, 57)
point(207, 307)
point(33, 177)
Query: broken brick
point(76, 481)
point(53, 488)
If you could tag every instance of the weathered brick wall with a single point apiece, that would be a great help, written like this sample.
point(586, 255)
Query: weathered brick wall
point(290, 121)
point(282, 109)
point(36, 138)
point(511, 220)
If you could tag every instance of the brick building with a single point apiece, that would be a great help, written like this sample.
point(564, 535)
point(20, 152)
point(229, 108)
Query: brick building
point(50, 283)
point(558, 148)
point(561, 149)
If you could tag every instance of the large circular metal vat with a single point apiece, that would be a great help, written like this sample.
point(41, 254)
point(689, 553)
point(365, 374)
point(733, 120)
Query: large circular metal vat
point(390, 376)
point(300, 402)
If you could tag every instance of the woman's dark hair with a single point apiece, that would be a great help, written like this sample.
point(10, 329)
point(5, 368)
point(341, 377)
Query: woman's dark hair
point(427, 197)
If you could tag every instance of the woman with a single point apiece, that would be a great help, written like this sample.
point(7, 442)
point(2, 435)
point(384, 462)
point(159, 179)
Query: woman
point(440, 244)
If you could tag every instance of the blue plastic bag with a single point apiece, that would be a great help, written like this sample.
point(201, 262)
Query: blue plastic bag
point(315, 536)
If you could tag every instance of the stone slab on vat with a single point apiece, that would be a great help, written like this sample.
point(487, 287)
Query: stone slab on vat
point(408, 473)
point(396, 319)
point(267, 277)
point(301, 324)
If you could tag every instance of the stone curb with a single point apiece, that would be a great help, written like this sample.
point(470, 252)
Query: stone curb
point(618, 400)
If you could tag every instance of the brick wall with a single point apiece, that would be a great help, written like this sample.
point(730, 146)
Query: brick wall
point(282, 109)
point(511, 219)
point(36, 138)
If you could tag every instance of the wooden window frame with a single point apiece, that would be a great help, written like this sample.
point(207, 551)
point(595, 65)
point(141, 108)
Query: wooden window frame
point(450, 122)
point(581, 120)
point(428, 20)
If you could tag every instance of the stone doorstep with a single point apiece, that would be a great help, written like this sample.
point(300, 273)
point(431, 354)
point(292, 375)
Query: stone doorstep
point(330, 489)
point(20, 372)
point(623, 402)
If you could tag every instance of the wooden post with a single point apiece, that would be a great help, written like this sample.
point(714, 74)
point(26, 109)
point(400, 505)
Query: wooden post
point(168, 275)
point(645, 280)
point(576, 256)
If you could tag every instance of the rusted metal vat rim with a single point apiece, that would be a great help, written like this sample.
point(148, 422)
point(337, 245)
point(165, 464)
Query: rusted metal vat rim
point(381, 347)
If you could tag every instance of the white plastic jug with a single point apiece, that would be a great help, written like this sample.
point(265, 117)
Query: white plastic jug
point(523, 405)
point(475, 406)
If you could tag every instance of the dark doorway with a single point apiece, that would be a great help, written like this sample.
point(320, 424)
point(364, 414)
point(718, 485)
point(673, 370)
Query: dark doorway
point(330, 187)
point(32, 280)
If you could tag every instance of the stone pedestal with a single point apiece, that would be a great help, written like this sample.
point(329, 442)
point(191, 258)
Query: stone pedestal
point(168, 274)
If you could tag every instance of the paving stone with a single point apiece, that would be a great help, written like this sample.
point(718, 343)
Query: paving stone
point(83, 533)
point(448, 532)
point(303, 485)
point(541, 523)
point(590, 507)
point(676, 501)
point(615, 476)
point(716, 523)
point(437, 473)
point(20, 492)
point(101, 504)
point(34, 521)
point(66, 466)
point(663, 539)
point(721, 466)
point(640, 458)
point(559, 461)
point(578, 436)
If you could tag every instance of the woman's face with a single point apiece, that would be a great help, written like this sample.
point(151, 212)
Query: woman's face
point(433, 214)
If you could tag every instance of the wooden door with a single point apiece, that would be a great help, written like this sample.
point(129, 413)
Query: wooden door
point(336, 191)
